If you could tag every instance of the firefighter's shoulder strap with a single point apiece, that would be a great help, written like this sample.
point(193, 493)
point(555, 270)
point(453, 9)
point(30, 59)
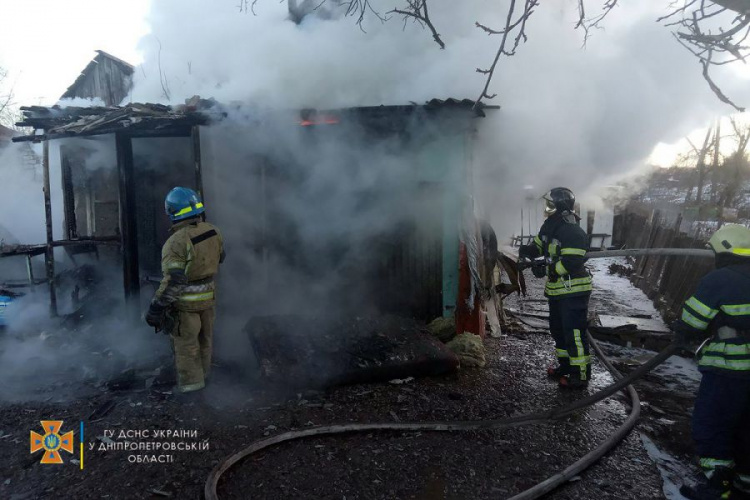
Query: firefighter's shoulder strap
point(203, 236)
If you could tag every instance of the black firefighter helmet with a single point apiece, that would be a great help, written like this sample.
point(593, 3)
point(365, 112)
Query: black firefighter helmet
point(559, 200)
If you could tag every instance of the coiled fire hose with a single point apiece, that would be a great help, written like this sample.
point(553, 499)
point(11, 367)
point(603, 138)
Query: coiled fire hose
point(210, 488)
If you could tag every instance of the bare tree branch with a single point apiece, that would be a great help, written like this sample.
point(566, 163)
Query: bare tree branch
point(417, 10)
point(517, 26)
point(163, 76)
point(715, 88)
point(713, 47)
point(587, 24)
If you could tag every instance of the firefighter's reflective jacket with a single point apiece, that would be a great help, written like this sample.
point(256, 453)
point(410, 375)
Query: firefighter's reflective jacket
point(721, 307)
point(562, 241)
point(189, 260)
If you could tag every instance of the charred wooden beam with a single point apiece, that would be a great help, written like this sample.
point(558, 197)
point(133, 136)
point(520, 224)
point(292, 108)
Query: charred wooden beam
point(128, 222)
point(49, 254)
point(195, 138)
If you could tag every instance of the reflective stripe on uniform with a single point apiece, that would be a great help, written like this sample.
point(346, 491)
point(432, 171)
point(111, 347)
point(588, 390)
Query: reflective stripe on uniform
point(566, 283)
point(560, 269)
point(726, 356)
point(712, 463)
point(701, 308)
point(562, 353)
point(578, 341)
point(187, 210)
point(580, 360)
point(552, 249)
point(725, 363)
point(691, 320)
point(176, 265)
point(538, 242)
point(737, 309)
point(194, 297)
point(731, 349)
point(741, 251)
point(557, 291)
point(573, 251)
point(565, 291)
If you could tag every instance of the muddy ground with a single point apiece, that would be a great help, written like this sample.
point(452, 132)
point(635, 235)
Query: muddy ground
point(487, 464)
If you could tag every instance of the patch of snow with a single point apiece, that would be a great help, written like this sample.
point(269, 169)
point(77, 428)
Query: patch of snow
point(614, 294)
point(673, 472)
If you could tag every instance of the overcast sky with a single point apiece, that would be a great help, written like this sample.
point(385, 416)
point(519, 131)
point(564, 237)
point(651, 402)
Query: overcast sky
point(45, 44)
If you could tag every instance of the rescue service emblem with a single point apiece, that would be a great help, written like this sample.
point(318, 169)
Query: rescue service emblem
point(51, 442)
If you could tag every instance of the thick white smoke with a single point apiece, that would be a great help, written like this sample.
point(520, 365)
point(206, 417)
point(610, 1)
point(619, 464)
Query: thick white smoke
point(569, 116)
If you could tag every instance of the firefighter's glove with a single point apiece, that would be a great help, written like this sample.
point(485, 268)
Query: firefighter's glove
point(681, 335)
point(552, 274)
point(525, 252)
point(156, 316)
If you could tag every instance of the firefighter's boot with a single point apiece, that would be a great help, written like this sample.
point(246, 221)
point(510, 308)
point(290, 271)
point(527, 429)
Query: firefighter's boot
point(574, 380)
point(717, 487)
point(556, 372)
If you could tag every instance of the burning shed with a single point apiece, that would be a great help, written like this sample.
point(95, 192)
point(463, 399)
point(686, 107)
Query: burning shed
point(344, 211)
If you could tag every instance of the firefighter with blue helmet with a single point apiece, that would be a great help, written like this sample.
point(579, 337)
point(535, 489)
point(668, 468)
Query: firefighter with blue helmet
point(184, 303)
point(720, 310)
point(563, 244)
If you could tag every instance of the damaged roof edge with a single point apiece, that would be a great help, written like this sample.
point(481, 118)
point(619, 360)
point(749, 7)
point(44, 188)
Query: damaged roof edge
point(158, 120)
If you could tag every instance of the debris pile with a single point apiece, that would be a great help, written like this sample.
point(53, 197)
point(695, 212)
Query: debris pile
point(314, 352)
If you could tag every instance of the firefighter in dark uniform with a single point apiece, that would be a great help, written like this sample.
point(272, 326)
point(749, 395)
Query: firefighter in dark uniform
point(720, 308)
point(563, 244)
point(184, 304)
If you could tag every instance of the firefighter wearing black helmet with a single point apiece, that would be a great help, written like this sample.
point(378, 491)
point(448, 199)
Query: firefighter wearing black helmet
point(563, 244)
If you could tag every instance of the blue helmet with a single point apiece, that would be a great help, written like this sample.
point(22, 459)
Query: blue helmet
point(183, 203)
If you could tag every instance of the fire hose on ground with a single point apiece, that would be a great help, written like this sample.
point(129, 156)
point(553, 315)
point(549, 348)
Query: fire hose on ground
point(210, 489)
point(548, 416)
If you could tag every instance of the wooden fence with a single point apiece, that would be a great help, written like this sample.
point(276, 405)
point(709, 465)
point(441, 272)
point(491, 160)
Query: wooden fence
point(667, 280)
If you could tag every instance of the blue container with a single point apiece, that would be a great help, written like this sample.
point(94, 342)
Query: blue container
point(4, 303)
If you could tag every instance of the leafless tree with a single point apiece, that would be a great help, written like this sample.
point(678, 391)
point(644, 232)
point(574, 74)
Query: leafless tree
point(700, 164)
point(736, 167)
point(7, 105)
point(713, 31)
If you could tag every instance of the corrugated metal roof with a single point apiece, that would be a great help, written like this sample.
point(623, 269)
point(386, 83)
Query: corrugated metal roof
point(158, 119)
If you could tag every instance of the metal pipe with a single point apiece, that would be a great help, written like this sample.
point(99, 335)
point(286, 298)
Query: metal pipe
point(639, 252)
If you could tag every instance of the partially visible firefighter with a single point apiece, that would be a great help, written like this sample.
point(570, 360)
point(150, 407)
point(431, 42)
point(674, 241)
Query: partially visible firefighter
point(720, 310)
point(184, 304)
point(559, 253)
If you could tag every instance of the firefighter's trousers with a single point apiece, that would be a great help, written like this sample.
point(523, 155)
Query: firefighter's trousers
point(192, 338)
point(721, 425)
point(568, 320)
